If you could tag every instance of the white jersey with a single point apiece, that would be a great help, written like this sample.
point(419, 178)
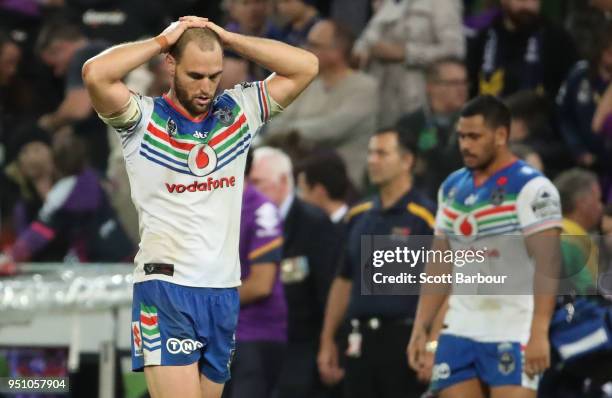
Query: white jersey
point(186, 177)
point(515, 202)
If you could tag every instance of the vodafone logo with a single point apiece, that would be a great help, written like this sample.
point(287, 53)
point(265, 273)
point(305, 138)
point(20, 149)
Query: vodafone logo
point(209, 185)
point(202, 160)
point(466, 227)
point(186, 346)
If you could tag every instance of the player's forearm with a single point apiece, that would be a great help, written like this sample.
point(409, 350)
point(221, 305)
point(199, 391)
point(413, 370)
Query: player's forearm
point(545, 248)
point(438, 322)
point(115, 63)
point(544, 306)
point(259, 283)
point(337, 303)
point(429, 306)
point(433, 295)
point(250, 292)
point(285, 60)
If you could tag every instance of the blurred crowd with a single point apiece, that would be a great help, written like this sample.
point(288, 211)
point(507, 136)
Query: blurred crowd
point(394, 75)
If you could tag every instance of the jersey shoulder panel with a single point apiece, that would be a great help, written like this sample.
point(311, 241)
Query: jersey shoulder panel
point(519, 175)
point(538, 205)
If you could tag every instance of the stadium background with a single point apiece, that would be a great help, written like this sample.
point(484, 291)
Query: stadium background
point(552, 113)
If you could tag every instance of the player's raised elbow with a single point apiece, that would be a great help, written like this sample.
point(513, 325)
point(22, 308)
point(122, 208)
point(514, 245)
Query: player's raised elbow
point(91, 72)
point(87, 71)
point(311, 66)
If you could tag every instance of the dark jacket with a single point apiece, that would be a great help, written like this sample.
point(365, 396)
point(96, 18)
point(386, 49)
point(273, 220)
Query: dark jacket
point(308, 268)
point(538, 59)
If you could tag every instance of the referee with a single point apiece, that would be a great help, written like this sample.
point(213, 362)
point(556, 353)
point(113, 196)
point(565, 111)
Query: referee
point(380, 326)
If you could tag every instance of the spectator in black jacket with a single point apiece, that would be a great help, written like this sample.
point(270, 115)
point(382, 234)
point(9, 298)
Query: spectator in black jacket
point(520, 50)
point(323, 182)
point(307, 269)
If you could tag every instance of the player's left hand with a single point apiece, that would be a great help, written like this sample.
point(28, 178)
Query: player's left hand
point(537, 355)
point(426, 367)
point(224, 35)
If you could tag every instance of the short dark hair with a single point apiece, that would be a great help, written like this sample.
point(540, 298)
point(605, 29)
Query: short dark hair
point(433, 70)
point(205, 38)
point(57, 30)
point(571, 184)
point(407, 142)
point(532, 109)
point(328, 169)
point(495, 113)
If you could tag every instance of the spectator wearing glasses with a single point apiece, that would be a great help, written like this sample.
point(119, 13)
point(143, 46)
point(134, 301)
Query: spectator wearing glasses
point(434, 124)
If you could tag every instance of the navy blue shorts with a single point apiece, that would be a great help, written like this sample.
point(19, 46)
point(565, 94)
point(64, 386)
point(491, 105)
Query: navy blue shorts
point(180, 325)
point(496, 364)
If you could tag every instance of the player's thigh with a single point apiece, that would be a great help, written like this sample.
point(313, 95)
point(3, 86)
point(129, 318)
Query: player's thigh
point(512, 392)
point(173, 381)
point(471, 388)
point(210, 389)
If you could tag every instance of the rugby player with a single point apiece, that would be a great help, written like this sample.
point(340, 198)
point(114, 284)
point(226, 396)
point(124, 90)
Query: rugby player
point(491, 345)
point(185, 155)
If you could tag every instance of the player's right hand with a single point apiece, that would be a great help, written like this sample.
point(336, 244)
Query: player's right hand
point(327, 361)
point(173, 32)
point(416, 347)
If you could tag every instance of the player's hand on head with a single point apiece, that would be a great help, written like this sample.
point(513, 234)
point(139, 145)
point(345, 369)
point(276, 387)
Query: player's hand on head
point(173, 32)
point(223, 34)
point(537, 355)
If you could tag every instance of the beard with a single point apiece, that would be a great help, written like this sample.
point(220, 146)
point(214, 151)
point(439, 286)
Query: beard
point(524, 21)
point(188, 101)
point(478, 164)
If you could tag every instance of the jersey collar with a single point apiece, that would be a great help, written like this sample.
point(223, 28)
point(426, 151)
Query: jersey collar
point(495, 174)
point(178, 110)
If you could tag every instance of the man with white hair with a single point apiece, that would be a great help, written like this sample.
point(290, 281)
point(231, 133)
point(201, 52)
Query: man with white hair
point(307, 269)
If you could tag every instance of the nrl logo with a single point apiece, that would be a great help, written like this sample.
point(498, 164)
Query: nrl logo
point(171, 128)
point(224, 115)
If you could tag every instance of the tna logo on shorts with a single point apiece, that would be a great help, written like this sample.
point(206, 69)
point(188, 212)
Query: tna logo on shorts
point(186, 346)
point(209, 185)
